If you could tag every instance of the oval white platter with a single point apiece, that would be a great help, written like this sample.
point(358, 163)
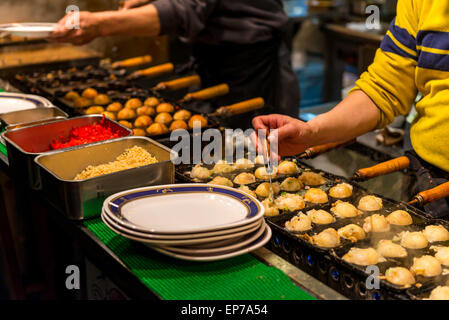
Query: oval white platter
point(29, 29)
point(10, 102)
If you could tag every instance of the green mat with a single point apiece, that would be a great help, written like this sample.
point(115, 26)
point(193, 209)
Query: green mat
point(239, 278)
point(3, 149)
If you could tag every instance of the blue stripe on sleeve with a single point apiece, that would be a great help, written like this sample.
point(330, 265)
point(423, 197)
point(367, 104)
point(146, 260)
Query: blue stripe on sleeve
point(433, 61)
point(403, 36)
point(433, 39)
point(389, 46)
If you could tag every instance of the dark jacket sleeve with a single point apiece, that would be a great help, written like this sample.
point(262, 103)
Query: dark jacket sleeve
point(184, 18)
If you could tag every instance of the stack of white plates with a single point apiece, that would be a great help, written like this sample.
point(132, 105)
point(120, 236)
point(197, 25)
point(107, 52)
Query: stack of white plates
point(196, 222)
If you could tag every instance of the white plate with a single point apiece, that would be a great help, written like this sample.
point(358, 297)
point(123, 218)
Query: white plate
point(214, 257)
point(184, 242)
point(184, 208)
point(29, 30)
point(10, 102)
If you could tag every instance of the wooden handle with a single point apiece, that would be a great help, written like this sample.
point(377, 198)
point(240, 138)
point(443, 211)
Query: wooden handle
point(133, 62)
point(179, 83)
point(242, 107)
point(318, 150)
point(383, 169)
point(154, 71)
point(209, 93)
point(437, 193)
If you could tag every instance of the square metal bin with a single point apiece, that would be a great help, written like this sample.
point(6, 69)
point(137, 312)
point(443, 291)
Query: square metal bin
point(19, 119)
point(84, 199)
point(24, 144)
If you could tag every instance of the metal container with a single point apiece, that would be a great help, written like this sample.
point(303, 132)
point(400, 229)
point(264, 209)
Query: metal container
point(24, 144)
point(19, 119)
point(84, 199)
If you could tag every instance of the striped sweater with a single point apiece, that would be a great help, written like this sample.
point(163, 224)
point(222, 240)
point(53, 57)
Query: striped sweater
point(414, 57)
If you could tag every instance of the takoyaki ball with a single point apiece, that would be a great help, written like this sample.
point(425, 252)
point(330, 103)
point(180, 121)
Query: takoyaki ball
point(151, 102)
point(328, 238)
point(320, 217)
point(299, 223)
point(157, 129)
point(315, 195)
point(197, 120)
point(400, 276)
point(139, 132)
point(143, 122)
point(436, 233)
point(222, 181)
point(413, 240)
point(290, 202)
point(362, 257)
point(102, 100)
point(94, 110)
point(442, 254)
point(243, 164)
point(261, 173)
point(72, 96)
point(270, 208)
point(245, 178)
point(109, 115)
point(146, 111)
point(291, 184)
point(126, 124)
point(376, 223)
point(263, 189)
point(133, 103)
point(165, 107)
point(389, 249)
point(89, 93)
point(352, 232)
point(82, 102)
point(178, 125)
point(287, 168)
point(439, 293)
point(223, 167)
point(312, 179)
point(248, 191)
point(164, 118)
point(126, 114)
point(114, 107)
point(200, 172)
point(370, 203)
point(345, 210)
point(182, 115)
point(260, 160)
point(400, 218)
point(426, 266)
point(341, 191)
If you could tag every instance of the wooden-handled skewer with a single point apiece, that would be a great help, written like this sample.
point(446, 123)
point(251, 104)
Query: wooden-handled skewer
point(319, 150)
point(208, 93)
point(381, 169)
point(154, 71)
point(133, 62)
point(428, 196)
point(241, 107)
point(180, 83)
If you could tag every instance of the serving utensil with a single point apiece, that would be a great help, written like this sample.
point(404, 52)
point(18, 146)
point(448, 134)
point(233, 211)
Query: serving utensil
point(152, 72)
point(206, 94)
point(381, 169)
point(316, 151)
point(428, 196)
point(177, 84)
point(269, 167)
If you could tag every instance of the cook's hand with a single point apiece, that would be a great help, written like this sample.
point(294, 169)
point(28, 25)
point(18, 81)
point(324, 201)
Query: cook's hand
point(89, 29)
point(129, 4)
point(292, 135)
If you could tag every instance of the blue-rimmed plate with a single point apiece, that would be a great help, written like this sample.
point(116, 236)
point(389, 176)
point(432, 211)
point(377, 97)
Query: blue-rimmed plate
point(10, 102)
point(183, 208)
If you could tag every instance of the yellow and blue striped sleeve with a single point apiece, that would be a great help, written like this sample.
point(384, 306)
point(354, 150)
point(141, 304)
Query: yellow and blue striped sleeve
point(390, 80)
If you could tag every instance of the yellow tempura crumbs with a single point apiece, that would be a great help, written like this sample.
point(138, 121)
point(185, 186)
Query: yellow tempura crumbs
point(131, 158)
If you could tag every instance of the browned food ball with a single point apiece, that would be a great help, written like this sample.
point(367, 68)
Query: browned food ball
point(114, 107)
point(133, 103)
point(165, 107)
point(164, 118)
point(126, 114)
point(72, 96)
point(94, 110)
point(178, 124)
point(139, 132)
point(90, 93)
point(82, 103)
point(126, 124)
point(151, 102)
point(143, 122)
point(146, 111)
point(157, 129)
point(102, 100)
point(110, 115)
point(197, 118)
point(182, 115)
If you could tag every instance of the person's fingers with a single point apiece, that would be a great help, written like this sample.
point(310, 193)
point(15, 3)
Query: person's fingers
point(259, 122)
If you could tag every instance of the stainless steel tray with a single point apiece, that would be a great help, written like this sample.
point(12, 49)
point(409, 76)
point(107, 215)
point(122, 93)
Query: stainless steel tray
point(19, 119)
point(24, 144)
point(84, 199)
